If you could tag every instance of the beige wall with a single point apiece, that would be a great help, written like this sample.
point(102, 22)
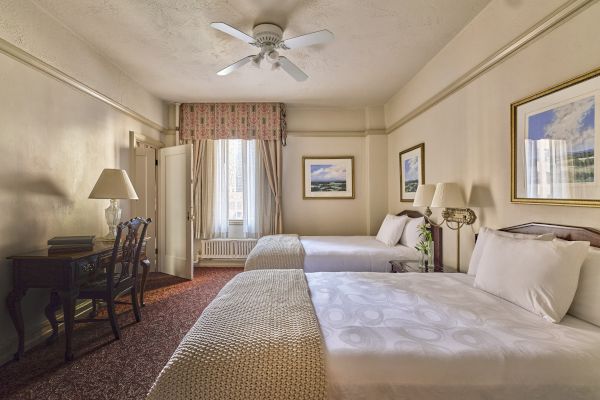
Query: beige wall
point(55, 142)
point(467, 135)
point(28, 27)
point(335, 132)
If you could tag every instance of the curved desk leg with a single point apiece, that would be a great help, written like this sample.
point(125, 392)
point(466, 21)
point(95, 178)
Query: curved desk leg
point(145, 269)
point(50, 312)
point(13, 302)
point(68, 301)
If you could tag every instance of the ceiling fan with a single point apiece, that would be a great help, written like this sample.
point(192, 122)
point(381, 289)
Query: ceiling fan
point(267, 37)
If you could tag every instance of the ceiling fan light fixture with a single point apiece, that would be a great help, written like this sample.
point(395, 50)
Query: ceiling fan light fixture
point(256, 61)
point(268, 38)
point(273, 56)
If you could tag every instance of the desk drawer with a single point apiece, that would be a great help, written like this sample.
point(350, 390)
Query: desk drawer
point(85, 269)
point(43, 275)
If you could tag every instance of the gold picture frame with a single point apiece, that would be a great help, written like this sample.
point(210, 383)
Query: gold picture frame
point(330, 178)
point(555, 135)
point(412, 166)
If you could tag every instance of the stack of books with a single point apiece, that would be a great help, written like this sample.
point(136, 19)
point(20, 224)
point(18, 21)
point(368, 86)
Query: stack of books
point(70, 244)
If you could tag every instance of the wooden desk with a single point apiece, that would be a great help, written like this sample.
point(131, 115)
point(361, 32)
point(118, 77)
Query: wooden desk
point(64, 274)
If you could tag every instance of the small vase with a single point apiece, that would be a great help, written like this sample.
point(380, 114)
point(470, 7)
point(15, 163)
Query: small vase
point(430, 260)
point(423, 261)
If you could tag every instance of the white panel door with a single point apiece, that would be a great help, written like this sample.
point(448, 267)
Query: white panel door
point(176, 245)
point(145, 183)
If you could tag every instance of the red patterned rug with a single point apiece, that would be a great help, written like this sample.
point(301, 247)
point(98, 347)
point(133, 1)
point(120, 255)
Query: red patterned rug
point(105, 368)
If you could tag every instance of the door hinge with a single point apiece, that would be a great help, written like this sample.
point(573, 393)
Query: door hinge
point(156, 162)
point(156, 251)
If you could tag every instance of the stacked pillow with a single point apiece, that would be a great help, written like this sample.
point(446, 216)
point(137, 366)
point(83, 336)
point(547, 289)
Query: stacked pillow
point(410, 237)
point(391, 229)
point(401, 229)
point(586, 304)
point(485, 233)
point(535, 272)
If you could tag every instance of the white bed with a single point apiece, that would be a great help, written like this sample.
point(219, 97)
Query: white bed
point(343, 253)
point(351, 253)
point(396, 336)
point(434, 336)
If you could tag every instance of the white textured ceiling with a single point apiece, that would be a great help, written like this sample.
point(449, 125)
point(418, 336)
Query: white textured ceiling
point(168, 47)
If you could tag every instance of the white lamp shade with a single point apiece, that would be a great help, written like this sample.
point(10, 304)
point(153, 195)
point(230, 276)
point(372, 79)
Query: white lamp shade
point(424, 195)
point(113, 184)
point(448, 195)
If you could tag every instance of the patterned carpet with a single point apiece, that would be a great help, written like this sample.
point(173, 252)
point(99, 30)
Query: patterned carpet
point(105, 368)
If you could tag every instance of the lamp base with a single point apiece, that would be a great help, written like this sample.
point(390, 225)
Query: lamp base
point(113, 217)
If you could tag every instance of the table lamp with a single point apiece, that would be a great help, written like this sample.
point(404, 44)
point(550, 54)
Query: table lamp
point(423, 198)
point(455, 212)
point(113, 184)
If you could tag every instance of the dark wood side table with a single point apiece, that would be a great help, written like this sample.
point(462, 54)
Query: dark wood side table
point(63, 274)
point(400, 266)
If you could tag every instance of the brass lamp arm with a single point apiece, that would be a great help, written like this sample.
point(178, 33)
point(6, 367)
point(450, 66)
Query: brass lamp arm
point(456, 218)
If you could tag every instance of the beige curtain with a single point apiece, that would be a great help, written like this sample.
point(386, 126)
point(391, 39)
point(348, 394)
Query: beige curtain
point(271, 153)
point(203, 173)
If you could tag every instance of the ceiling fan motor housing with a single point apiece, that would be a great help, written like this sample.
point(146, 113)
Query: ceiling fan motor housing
point(267, 35)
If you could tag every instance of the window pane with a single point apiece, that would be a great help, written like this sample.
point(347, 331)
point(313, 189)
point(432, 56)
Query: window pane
point(236, 179)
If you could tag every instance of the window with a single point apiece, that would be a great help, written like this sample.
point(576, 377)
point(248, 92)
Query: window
point(240, 189)
point(235, 171)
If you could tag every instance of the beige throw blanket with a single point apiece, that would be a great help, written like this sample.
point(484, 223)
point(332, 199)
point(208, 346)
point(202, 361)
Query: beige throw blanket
point(258, 340)
point(276, 252)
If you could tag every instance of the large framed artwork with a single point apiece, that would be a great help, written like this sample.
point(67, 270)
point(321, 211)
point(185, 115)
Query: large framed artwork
point(328, 177)
point(554, 142)
point(412, 171)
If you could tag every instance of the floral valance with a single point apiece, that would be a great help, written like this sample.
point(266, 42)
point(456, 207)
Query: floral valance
point(263, 121)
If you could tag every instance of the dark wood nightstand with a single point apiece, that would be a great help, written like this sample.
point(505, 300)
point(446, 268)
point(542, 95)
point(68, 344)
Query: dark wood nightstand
point(399, 266)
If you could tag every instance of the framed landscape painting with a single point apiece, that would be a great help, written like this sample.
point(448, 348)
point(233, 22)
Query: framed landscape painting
point(412, 171)
point(328, 177)
point(554, 140)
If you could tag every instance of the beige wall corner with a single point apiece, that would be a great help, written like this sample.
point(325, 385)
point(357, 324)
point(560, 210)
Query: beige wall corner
point(28, 27)
point(56, 141)
point(376, 185)
point(467, 135)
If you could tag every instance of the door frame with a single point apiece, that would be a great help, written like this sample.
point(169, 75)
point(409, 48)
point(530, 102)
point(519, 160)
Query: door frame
point(135, 139)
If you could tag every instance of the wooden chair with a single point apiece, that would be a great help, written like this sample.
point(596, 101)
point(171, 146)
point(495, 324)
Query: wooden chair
point(121, 275)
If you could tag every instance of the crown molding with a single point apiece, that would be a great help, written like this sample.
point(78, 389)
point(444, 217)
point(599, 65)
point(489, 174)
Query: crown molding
point(551, 21)
point(336, 133)
point(28, 59)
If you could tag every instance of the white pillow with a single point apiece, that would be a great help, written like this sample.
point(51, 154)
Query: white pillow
point(540, 276)
point(391, 229)
point(586, 303)
point(410, 236)
point(485, 232)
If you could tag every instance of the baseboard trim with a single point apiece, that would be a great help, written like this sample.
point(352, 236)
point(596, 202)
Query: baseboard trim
point(41, 333)
point(221, 263)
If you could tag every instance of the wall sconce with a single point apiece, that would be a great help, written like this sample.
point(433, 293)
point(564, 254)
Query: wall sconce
point(455, 213)
point(423, 198)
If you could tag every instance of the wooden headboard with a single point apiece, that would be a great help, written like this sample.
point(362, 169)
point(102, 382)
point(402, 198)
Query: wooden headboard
point(436, 232)
point(560, 231)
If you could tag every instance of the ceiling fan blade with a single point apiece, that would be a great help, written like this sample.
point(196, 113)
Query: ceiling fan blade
point(309, 39)
point(292, 69)
point(230, 30)
point(235, 65)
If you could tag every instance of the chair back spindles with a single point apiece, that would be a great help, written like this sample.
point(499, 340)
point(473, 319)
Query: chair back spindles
point(129, 240)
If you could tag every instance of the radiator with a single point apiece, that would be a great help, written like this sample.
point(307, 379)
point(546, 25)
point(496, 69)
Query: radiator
point(226, 248)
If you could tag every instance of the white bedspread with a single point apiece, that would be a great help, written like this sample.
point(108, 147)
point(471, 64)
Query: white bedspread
point(351, 253)
point(434, 336)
